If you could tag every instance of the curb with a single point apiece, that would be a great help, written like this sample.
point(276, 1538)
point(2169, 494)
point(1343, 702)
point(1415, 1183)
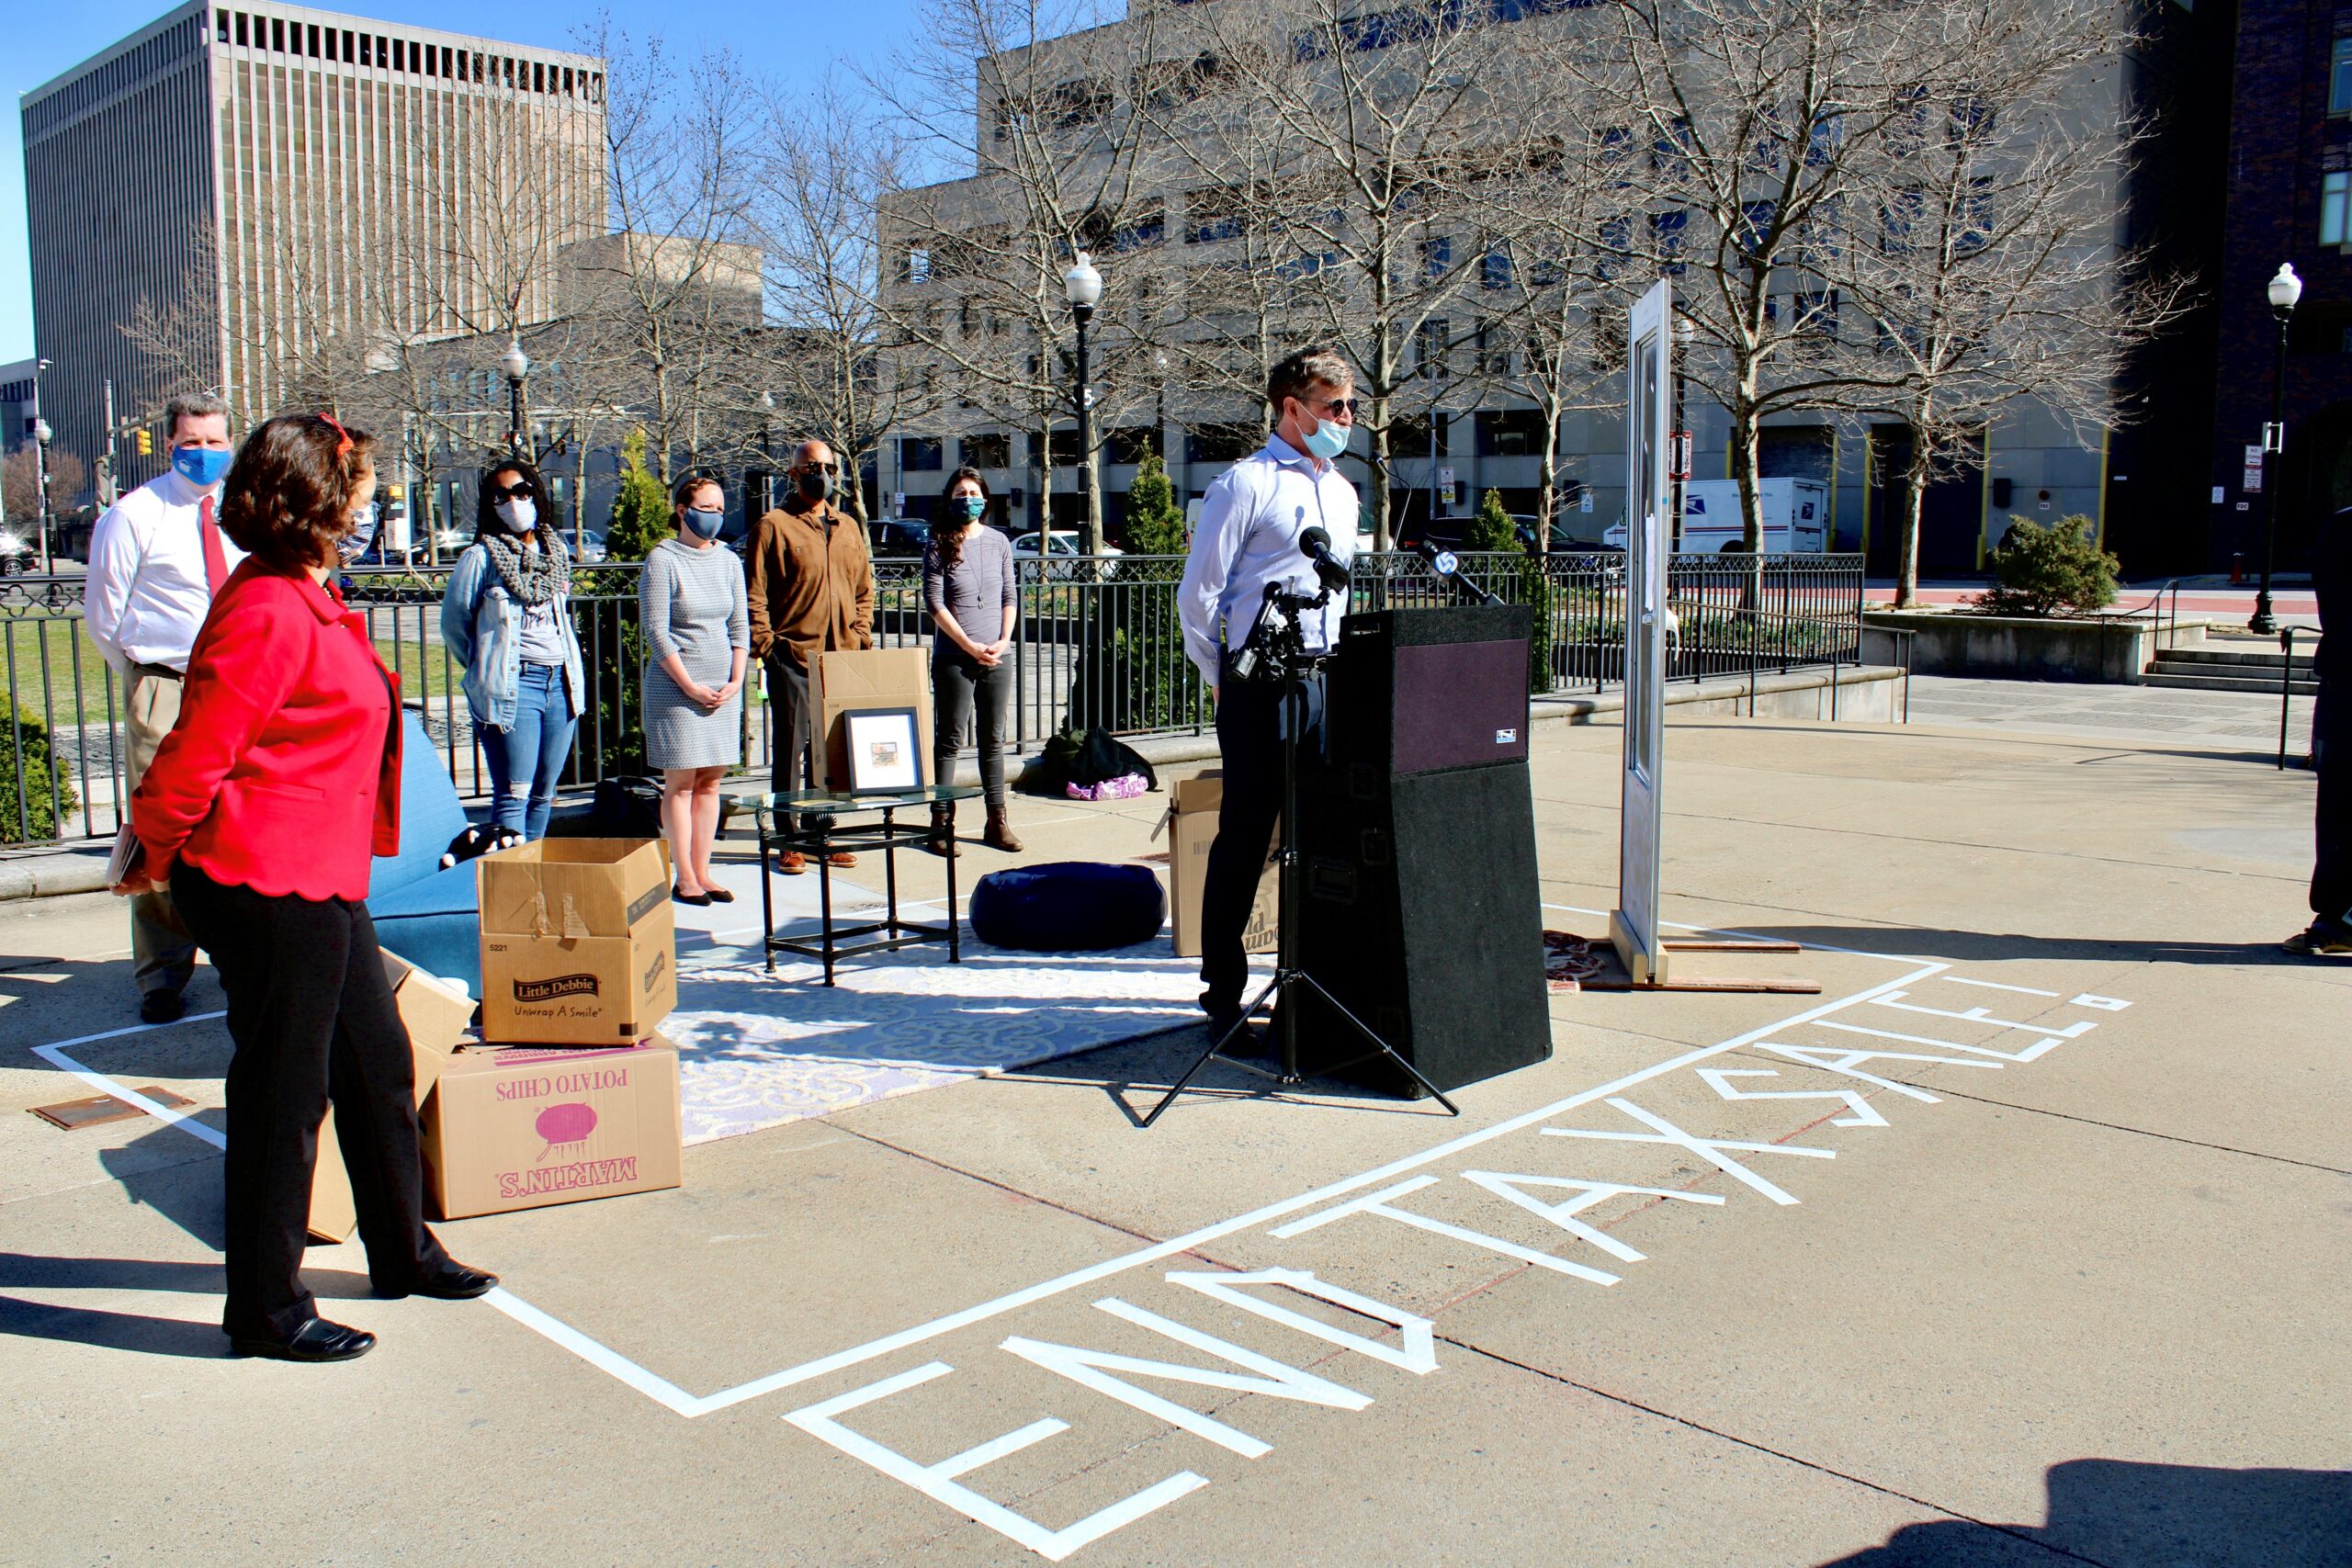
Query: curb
point(53, 876)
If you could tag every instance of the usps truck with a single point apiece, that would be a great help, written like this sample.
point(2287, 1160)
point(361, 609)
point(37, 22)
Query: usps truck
point(1796, 517)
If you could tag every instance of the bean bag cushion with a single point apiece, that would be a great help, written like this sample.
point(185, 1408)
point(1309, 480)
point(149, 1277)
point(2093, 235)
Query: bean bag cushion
point(424, 912)
point(1067, 907)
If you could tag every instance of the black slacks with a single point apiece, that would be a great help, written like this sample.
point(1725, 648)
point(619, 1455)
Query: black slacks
point(965, 694)
point(2331, 753)
point(1249, 747)
point(312, 1016)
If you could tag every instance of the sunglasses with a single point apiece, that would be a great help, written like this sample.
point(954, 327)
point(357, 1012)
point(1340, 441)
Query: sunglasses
point(1336, 406)
point(521, 490)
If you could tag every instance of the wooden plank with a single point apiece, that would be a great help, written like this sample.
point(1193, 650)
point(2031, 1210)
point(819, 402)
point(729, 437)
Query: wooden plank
point(1730, 944)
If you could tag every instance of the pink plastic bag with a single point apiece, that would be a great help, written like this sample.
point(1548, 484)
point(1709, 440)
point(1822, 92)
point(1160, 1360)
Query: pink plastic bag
point(1127, 787)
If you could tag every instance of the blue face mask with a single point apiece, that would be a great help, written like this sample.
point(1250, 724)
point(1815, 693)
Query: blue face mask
point(966, 508)
point(354, 544)
point(202, 467)
point(1328, 439)
point(706, 525)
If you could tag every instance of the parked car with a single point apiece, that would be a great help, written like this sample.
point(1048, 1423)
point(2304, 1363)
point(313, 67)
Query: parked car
point(1062, 546)
point(17, 554)
point(894, 537)
point(590, 549)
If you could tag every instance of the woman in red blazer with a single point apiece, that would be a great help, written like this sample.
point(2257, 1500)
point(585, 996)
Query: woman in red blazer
point(263, 809)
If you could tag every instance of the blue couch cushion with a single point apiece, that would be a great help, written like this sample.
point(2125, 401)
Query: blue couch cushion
point(452, 892)
point(1067, 907)
point(430, 816)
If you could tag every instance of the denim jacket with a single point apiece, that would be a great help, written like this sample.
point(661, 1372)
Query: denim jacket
point(483, 630)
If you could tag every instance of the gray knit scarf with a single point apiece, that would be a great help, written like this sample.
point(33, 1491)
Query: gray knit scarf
point(531, 577)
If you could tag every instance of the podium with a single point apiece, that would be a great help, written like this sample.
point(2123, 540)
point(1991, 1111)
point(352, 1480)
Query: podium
point(1420, 911)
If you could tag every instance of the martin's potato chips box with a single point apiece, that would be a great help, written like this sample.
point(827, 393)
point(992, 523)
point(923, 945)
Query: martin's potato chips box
point(520, 1128)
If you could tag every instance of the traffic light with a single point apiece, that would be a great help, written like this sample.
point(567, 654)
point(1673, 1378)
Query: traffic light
point(146, 442)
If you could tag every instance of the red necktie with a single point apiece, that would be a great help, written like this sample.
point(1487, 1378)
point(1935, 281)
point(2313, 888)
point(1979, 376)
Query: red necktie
point(215, 562)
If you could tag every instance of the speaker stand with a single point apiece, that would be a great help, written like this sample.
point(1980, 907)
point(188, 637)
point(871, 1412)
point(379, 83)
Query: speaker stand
point(1291, 984)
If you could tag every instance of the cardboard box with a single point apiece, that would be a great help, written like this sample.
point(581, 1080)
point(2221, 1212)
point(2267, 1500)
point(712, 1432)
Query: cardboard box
point(578, 946)
point(437, 1015)
point(1192, 814)
point(866, 677)
point(521, 1129)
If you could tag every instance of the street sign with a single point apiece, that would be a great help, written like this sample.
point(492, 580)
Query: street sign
point(1649, 375)
point(2252, 481)
point(1445, 484)
point(1681, 455)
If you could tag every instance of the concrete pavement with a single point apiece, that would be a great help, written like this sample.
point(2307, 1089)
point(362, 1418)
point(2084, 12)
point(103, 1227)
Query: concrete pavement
point(2021, 1244)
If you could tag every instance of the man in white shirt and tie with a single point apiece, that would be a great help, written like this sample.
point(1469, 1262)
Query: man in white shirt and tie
point(1248, 538)
point(156, 559)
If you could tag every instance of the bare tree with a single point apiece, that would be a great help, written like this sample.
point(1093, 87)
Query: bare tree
point(1743, 126)
point(1996, 275)
point(1352, 140)
point(1058, 160)
point(20, 486)
point(816, 193)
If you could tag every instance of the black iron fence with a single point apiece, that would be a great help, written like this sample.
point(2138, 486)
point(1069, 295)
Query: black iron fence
point(1097, 643)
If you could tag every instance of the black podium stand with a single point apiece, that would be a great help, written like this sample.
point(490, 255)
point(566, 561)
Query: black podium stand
point(1421, 911)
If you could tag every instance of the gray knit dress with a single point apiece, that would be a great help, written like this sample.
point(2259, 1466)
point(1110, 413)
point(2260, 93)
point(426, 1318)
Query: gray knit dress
point(693, 605)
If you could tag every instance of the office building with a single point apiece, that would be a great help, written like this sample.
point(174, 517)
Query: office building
point(254, 188)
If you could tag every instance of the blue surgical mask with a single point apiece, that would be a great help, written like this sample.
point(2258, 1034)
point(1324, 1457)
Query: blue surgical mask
point(966, 508)
point(706, 525)
point(354, 544)
point(202, 467)
point(1328, 439)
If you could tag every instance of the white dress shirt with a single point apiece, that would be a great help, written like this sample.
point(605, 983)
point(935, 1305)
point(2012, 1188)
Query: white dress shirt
point(146, 597)
point(1247, 536)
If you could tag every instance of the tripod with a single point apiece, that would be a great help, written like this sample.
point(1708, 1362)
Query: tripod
point(1289, 980)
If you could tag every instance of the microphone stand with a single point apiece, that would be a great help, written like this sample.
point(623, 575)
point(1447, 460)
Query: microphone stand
point(1289, 979)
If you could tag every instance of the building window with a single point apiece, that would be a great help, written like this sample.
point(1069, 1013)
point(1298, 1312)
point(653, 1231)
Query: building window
point(987, 449)
point(277, 34)
point(918, 453)
point(242, 38)
point(2334, 192)
point(220, 25)
point(313, 49)
point(2339, 77)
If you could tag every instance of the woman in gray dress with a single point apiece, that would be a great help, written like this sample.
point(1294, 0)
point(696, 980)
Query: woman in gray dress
point(697, 637)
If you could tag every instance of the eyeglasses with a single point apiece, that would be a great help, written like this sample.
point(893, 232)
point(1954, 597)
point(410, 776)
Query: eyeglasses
point(1352, 407)
point(521, 490)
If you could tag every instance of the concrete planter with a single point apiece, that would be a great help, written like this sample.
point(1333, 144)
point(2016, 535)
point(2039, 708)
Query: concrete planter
point(2110, 648)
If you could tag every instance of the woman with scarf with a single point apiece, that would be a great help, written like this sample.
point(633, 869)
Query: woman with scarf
point(506, 618)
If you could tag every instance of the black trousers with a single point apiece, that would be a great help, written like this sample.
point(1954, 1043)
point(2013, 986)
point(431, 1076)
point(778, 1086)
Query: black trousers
point(2332, 752)
point(964, 690)
point(1250, 744)
point(313, 1020)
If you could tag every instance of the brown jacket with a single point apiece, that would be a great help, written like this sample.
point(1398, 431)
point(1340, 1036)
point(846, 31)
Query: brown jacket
point(809, 593)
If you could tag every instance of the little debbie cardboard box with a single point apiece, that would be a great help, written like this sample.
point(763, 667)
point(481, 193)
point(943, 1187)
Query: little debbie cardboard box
point(521, 1129)
point(1193, 821)
point(578, 946)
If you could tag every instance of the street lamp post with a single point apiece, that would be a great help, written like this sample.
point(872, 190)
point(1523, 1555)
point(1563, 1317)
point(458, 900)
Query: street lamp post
point(1083, 285)
point(2283, 290)
point(42, 434)
point(517, 364)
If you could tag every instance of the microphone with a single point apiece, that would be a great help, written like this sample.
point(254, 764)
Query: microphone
point(1316, 545)
point(1443, 563)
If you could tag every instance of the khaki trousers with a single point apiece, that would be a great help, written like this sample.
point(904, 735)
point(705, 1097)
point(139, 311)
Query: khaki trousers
point(163, 954)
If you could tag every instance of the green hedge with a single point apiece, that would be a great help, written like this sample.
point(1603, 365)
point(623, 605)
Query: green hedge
point(39, 810)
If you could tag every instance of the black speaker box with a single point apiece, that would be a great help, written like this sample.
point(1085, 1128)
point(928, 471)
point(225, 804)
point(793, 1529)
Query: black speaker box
point(1421, 912)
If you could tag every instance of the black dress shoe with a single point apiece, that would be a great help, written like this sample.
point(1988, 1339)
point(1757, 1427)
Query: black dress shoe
point(162, 1006)
point(452, 1282)
point(682, 896)
point(316, 1341)
point(718, 895)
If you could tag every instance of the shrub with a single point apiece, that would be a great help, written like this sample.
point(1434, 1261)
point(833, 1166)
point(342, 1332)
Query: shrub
point(38, 812)
point(1155, 521)
point(1491, 529)
point(641, 518)
point(2050, 571)
point(640, 521)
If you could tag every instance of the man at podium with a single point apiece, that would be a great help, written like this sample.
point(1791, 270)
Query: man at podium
point(1249, 537)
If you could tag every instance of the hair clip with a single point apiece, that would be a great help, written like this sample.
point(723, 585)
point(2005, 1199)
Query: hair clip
point(342, 445)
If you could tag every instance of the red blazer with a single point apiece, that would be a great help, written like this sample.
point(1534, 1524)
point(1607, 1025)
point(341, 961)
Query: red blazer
point(283, 773)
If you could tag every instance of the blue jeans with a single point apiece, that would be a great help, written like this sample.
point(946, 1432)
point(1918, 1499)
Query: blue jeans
point(527, 759)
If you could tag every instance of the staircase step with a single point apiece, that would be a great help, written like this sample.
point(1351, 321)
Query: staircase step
point(2234, 659)
point(2249, 685)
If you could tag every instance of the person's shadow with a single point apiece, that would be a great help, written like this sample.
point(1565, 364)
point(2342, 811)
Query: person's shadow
point(125, 1330)
point(2104, 1510)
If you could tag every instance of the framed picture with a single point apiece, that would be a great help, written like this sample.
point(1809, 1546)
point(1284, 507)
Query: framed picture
point(885, 752)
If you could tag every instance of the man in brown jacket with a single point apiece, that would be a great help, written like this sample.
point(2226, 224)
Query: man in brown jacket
point(811, 590)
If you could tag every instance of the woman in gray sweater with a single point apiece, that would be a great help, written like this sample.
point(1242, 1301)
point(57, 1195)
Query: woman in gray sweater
point(968, 583)
point(697, 636)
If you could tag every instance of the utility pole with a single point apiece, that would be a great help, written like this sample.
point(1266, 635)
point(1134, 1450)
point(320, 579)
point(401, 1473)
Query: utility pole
point(107, 471)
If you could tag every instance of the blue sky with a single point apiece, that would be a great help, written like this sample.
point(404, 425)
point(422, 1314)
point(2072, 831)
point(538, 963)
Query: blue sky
point(796, 42)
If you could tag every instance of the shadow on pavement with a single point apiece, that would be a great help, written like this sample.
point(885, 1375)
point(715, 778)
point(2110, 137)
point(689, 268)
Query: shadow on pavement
point(1985, 946)
point(124, 1330)
point(2112, 1511)
point(179, 1177)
